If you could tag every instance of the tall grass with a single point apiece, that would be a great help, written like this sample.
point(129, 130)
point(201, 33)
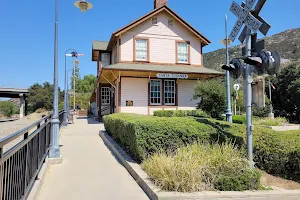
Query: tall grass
point(201, 167)
point(278, 121)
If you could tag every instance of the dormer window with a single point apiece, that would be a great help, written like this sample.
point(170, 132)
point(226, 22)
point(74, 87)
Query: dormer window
point(154, 20)
point(170, 23)
point(141, 49)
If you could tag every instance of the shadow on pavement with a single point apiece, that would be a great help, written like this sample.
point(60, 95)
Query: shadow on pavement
point(89, 120)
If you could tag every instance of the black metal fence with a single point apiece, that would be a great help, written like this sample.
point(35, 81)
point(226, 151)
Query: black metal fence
point(20, 165)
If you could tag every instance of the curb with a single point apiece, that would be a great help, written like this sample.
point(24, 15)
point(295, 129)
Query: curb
point(132, 167)
point(155, 193)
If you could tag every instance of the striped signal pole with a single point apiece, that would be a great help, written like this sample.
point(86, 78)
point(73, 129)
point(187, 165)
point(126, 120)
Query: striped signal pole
point(74, 55)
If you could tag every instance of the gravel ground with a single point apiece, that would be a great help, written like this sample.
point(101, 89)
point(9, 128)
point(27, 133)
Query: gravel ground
point(7, 128)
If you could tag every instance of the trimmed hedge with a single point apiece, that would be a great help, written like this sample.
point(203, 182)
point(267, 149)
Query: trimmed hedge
point(277, 153)
point(238, 119)
point(141, 135)
point(180, 113)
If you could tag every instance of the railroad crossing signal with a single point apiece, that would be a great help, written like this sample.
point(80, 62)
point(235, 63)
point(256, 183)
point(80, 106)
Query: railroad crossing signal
point(244, 17)
point(264, 27)
point(248, 17)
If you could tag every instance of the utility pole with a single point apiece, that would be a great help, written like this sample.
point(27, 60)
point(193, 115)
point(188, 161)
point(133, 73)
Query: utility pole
point(248, 89)
point(271, 115)
point(74, 84)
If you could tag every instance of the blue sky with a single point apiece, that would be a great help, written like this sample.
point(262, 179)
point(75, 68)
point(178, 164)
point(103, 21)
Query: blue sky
point(27, 31)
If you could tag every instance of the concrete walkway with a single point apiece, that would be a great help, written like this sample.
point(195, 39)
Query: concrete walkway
point(89, 169)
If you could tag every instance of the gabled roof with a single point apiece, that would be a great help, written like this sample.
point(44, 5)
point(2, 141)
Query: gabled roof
point(100, 45)
point(203, 39)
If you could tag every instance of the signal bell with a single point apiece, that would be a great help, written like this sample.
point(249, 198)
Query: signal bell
point(235, 67)
point(265, 62)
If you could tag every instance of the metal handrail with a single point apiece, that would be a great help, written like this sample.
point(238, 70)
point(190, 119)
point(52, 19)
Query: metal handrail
point(20, 165)
point(21, 132)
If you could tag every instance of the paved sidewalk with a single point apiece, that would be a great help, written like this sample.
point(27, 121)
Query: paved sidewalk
point(89, 169)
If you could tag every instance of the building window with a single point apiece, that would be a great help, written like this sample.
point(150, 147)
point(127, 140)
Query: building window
point(162, 92)
point(182, 52)
point(115, 54)
point(169, 92)
point(154, 20)
point(170, 23)
point(105, 96)
point(105, 59)
point(141, 50)
point(155, 92)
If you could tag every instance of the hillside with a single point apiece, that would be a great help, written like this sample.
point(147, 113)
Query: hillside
point(287, 43)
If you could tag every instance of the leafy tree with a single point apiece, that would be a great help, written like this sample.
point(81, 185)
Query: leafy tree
point(82, 100)
point(87, 84)
point(212, 94)
point(7, 108)
point(41, 96)
point(285, 98)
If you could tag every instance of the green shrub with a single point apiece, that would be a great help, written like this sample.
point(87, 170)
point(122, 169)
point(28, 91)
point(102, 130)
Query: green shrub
point(277, 153)
point(7, 108)
point(181, 113)
point(238, 119)
point(248, 180)
point(200, 167)
point(141, 135)
point(212, 93)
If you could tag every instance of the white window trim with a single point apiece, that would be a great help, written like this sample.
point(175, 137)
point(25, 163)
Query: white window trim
point(105, 104)
point(160, 82)
point(185, 62)
point(170, 104)
point(146, 40)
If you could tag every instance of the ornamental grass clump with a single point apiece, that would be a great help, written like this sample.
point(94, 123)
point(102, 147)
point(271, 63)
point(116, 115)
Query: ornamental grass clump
point(202, 167)
point(278, 121)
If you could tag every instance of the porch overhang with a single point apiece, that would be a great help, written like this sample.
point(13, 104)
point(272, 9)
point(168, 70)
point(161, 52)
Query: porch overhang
point(112, 73)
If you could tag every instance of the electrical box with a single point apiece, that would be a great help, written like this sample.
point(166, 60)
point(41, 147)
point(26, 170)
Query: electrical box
point(258, 93)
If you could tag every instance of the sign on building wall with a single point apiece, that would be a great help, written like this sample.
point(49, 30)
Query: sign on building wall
point(177, 76)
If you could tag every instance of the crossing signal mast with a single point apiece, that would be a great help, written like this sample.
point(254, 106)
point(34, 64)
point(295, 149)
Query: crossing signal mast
point(255, 61)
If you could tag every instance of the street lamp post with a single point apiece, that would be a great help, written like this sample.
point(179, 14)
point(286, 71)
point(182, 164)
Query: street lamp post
point(226, 42)
point(65, 122)
point(68, 97)
point(54, 146)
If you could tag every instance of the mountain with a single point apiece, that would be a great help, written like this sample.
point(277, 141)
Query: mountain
point(287, 43)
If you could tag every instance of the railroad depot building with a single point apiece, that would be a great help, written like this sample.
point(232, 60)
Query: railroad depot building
point(150, 64)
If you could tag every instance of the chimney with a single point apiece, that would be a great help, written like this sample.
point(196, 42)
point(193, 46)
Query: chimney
point(160, 3)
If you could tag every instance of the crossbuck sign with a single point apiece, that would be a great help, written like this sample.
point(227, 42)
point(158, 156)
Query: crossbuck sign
point(244, 17)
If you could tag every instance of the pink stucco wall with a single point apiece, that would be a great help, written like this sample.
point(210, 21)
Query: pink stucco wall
point(162, 40)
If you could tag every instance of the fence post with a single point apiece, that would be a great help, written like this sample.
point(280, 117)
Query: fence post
point(1, 172)
point(26, 163)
